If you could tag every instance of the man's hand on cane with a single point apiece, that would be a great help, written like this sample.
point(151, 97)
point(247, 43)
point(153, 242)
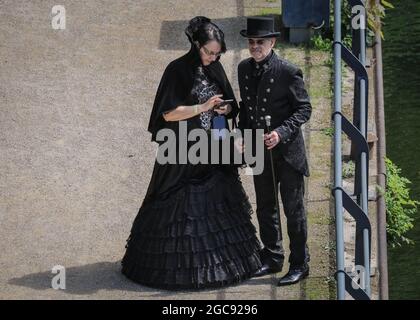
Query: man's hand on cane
point(271, 139)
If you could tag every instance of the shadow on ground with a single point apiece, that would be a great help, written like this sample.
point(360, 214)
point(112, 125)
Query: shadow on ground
point(91, 278)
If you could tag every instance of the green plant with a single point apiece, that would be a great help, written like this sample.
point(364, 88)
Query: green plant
point(320, 43)
point(345, 24)
point(400, 209)
point(330, 246)
point(324, 40)
point(348, 169)
point(328, 131)
point(377, 10)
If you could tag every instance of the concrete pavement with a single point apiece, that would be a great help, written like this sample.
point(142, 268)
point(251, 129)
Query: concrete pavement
point(76, 157)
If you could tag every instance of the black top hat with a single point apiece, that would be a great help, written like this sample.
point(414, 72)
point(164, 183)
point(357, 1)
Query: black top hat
point(259, 27)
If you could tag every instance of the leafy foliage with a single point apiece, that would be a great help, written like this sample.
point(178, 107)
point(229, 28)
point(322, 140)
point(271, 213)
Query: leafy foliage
point(323, 41)
point(377, 10)
point(400, 209)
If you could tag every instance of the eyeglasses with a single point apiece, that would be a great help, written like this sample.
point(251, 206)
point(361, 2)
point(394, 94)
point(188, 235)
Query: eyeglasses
point(209, 53)
point(260, 42)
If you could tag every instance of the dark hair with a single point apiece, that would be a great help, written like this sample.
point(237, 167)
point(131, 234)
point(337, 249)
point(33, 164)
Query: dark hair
point(200, 29)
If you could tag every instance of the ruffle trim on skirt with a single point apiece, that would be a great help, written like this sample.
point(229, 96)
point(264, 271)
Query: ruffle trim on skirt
point(202, 237)
point(218, 275)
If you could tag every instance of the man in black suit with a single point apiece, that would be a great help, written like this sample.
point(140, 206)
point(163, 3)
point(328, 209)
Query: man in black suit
point(269, 85)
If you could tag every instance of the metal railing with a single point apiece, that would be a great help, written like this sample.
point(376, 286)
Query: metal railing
point(357, 133)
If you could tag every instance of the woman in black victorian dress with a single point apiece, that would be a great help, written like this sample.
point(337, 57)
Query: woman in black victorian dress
point(194, 227)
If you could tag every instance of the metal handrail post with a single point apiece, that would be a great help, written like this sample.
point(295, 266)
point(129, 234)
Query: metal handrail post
point(337, 154)
point(363, 159)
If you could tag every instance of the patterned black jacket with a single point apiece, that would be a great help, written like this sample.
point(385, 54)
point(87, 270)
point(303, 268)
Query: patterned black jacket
point(281, 94)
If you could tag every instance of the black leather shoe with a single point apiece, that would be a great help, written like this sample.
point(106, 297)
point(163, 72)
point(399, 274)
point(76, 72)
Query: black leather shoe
point(265, 270)
point(294, 276)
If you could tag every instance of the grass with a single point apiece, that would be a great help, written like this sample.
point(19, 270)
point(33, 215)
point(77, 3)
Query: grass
point(320, 218)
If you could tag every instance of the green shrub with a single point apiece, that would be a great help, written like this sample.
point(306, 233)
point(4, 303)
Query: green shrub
point(320, 43)
point(400, 209)
point(328, 131)
point(349, 169)
point(324, 40)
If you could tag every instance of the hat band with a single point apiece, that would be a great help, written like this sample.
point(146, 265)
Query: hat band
point(258, 32)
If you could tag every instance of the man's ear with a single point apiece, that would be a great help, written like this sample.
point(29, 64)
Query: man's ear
point(273, 42)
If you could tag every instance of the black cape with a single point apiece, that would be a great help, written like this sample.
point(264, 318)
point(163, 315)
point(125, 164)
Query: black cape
point(175, 89)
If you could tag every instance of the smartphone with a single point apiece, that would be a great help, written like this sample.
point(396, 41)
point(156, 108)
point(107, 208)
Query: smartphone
point(223, 103)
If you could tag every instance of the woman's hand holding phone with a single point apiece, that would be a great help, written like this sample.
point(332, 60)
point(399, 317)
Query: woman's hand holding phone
point(224, 107)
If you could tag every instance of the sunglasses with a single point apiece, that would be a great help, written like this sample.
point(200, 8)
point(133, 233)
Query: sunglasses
point(209, 53)
point(260, 42)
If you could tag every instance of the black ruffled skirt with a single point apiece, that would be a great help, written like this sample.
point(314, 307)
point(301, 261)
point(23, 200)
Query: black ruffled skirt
point(200, 236)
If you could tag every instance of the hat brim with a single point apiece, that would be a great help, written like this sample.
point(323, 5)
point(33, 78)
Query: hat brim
point(245, 34)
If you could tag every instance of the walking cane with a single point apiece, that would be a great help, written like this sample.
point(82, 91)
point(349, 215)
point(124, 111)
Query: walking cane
point(276, 194)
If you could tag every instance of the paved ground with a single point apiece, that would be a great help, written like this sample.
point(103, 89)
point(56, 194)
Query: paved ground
point(76, 158)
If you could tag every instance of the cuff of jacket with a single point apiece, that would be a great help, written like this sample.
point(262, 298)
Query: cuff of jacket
point(283, 134)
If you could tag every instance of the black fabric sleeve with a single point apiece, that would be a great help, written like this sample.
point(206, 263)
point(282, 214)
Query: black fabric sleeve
point(300, 104)
point(171, 93)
